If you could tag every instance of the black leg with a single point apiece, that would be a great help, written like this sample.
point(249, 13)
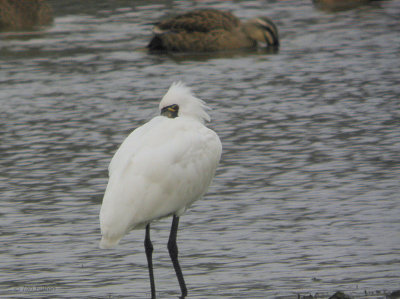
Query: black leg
point(148, 246)
point(173, 253)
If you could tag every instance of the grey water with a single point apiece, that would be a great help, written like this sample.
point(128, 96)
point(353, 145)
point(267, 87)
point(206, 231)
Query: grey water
point(306, 197)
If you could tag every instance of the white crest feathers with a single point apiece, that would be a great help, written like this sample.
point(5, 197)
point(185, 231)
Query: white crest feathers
point(189, 105)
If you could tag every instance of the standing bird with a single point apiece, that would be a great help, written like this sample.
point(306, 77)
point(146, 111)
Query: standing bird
point(207, 30)
point(160, 169)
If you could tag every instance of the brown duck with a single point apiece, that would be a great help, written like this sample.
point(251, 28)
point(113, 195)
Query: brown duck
point(24, 14)
point(207, 30)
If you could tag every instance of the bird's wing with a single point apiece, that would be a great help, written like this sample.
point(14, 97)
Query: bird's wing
point(130, 145)
point(204, 20)
point(158, 171)
point(200, 41)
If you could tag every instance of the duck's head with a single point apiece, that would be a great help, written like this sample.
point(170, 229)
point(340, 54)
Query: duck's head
point(262, 29)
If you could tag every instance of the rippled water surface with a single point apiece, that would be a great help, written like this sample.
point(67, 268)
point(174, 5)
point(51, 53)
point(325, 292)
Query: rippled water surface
point(306, 199)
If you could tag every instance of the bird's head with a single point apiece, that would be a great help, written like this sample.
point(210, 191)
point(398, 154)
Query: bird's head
point(179, 101)
point(262, 29)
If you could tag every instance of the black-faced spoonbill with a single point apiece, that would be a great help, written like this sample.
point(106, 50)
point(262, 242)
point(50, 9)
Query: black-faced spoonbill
point(159, 170)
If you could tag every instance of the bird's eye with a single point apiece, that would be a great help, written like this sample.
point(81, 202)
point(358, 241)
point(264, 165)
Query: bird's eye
point(170, 111)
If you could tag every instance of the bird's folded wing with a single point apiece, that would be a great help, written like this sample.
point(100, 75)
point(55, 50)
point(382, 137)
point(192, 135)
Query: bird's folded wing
point(199, 21)
point(159, 170)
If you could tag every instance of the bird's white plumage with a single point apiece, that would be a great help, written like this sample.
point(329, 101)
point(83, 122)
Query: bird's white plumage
point(161, 168)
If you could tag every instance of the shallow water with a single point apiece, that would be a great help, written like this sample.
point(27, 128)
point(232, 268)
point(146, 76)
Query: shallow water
point(306, 199)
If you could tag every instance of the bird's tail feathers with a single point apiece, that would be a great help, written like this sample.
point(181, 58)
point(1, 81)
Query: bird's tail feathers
point(108, 243)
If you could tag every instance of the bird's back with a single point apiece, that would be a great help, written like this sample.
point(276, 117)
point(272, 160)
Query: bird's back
point(159, 170)
point(201, 20)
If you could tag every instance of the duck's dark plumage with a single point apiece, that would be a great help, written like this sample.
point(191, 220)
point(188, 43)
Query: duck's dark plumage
point(204, 20)
point(211, 30)
point(24, 14)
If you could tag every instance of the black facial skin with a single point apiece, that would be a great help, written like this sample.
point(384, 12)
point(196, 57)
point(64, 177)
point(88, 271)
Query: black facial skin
point(170, 111)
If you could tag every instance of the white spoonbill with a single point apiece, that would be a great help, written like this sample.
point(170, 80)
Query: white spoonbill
point(160, 169)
